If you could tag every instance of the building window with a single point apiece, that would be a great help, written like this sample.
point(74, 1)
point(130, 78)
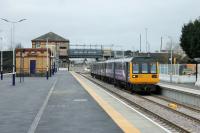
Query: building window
point(37, 45)
point(62, 47)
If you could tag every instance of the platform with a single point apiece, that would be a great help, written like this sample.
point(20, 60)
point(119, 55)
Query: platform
point(187, 88)
point(66, 104)
point(137, 121)
point(182, 93)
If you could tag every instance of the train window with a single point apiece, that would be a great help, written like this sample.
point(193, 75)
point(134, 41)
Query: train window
point(153, 68)
point(119, 66)
point(135, 68)
point(144, 68)
point(109, 65)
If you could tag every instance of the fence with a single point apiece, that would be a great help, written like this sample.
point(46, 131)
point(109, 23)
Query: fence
point(180, 73)
point(7, 61)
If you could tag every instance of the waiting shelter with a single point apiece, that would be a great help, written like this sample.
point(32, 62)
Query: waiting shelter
point(33, 61)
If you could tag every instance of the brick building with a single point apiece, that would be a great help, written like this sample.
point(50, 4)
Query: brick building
point(58, 45)
point(33, 61)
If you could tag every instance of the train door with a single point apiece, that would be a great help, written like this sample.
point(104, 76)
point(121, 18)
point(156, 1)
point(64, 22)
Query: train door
point(114, 67)
point(127, 73)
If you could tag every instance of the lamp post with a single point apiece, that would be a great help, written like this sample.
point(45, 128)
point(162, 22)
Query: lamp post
point(47, 73)
point(171, 56)
point(197, 72)
point(12, 42)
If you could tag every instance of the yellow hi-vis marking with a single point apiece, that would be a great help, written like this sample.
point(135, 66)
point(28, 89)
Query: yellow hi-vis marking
point(123, 123)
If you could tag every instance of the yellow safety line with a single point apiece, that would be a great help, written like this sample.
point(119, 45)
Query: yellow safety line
point(122, 122)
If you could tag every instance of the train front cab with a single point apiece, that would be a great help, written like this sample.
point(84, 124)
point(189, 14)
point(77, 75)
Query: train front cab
point(143, 76)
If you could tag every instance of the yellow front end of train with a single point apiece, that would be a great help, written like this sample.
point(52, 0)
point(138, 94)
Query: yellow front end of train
point(143, 74)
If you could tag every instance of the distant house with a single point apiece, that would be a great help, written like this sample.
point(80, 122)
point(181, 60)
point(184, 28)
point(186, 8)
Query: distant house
point(58, 45)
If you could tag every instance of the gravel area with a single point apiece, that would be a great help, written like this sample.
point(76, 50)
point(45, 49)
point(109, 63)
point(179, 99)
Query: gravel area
point(180, 108)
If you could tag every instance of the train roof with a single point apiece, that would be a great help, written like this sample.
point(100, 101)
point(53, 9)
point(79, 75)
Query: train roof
point(129, 59)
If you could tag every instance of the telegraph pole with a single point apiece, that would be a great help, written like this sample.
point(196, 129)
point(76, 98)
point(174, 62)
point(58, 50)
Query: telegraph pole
point(140, 43)
point(161, 41)
point(146, 40)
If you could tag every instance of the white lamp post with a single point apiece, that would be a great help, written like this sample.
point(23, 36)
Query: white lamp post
point(47, 73)
point(12, 42)
point(171, 58)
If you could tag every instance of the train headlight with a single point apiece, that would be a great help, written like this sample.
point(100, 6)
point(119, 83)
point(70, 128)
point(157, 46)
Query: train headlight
point(135, 76)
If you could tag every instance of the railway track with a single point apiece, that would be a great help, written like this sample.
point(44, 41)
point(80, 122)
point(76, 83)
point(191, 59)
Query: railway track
point(190, 107)
point(187, 111)
point(173, 120)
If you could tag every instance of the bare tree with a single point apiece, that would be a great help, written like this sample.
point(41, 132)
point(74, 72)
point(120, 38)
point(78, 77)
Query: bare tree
point(19, 45)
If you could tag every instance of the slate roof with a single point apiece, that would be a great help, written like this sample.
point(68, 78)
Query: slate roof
point(51, 37)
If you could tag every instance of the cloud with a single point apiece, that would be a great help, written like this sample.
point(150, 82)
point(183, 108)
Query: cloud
point(92, 21)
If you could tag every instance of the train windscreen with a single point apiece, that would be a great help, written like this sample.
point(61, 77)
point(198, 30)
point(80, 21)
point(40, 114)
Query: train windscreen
point(135, 68)
point(153, 67)
point(144, 68)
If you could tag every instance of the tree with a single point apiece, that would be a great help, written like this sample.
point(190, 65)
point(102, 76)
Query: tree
point(190, 39)
point(128, 53)
point(19, 45)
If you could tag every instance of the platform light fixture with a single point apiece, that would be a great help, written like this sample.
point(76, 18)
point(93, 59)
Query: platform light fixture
point(47, 71)
point(12, 43)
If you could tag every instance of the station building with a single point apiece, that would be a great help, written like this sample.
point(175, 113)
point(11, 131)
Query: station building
point(33, 61)
point(58, 45)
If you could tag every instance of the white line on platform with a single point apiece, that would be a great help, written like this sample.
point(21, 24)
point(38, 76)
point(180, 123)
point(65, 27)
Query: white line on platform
point(137, 111)
point(8, 73)
point(40, 112)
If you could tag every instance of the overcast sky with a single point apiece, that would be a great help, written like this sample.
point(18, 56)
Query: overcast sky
point(118, 22)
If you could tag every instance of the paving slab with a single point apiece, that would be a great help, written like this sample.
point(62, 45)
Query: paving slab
point(19, 104)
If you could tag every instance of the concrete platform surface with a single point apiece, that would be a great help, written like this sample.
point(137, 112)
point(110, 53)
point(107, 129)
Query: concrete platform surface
point(138, 121)
point(59, 105)
point(72, 110)
point(66, 103)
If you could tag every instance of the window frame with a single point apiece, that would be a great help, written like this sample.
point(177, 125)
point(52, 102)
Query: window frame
point(36, 44)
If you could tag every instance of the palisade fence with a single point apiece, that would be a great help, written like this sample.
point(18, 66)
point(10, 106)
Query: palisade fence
point(7, 61)
point(181, 73)
point(7, 64)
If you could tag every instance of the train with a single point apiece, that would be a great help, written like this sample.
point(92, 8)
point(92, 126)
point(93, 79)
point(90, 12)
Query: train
point(138, 74)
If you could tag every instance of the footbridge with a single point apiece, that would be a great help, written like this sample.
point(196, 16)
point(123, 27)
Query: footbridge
point(89, 51)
